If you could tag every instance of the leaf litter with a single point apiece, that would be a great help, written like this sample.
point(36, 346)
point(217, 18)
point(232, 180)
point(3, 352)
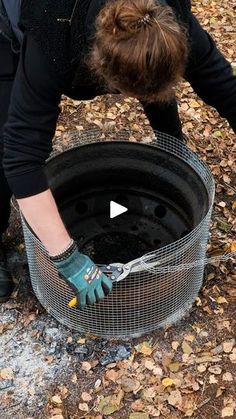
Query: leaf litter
point(188, 370)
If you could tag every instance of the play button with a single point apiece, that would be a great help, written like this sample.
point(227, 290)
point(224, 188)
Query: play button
point(116, 209)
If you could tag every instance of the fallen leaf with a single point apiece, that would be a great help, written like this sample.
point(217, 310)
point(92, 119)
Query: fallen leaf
point(166, 382)
point(219, 392)
point(149, 393)
point(117, 398)
point(166, 360)
point(223, 226)
point(175, 345)
point(108, 405)
point(129, 384)
point(86, 397)
point(186, 348)
point(189, 405)
point(215, 370)
point(175, 398)
point(74, 378)
point(86, 366)
point(232, 356)
point(198, 302)
point(81, 341)
point(227, 376)
point(217, 134)
point(138, 405)
point(207, 358)
point(84, 407)
point(151, 366)
point(213, 379)
point(174, 366)
point(155, 413)
point(226, 178)
point(56, 400)
point(227, 412)
point(233, 247)
point(221, 300)
point(194, 104)
point(144, 348)
point(63, 390)
point(201, 368)
point(112, 375)
point(189, 338)
point(6, 374)
point(228, 345)
point(139, 415)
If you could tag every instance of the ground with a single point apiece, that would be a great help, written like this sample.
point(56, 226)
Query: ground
point(186, 370)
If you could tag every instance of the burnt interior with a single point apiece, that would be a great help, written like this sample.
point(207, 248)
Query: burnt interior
point(165, 198)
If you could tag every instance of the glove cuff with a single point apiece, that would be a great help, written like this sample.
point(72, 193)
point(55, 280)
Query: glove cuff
point(65, 254)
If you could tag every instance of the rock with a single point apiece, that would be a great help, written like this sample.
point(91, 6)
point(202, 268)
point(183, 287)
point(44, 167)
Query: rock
point(52, 348)
point(116, 354)
point(70, 347)
point(82, 349)
point(52, 333)
point(82, 352)
point(40, 326)
point(4, 384)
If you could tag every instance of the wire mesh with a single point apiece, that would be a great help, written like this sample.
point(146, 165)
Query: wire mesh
point(156, 294)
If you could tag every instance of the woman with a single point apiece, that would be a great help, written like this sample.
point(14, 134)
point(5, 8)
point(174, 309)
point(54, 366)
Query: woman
point(141, 48)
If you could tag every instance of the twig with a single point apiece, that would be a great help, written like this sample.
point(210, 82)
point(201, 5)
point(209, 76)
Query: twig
point(204, 402)
point(14, 334)
point(226, 185)
point(13, 405)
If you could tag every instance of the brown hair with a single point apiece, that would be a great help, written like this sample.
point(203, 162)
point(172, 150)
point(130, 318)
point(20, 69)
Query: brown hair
point(139, 49)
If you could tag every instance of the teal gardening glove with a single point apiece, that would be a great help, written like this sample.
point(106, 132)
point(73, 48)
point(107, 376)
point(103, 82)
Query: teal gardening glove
point(85, 278)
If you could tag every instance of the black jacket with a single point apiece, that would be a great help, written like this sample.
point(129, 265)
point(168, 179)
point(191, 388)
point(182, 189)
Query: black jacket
point(44, 74)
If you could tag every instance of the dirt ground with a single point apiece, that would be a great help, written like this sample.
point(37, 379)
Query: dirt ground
point(186, 370)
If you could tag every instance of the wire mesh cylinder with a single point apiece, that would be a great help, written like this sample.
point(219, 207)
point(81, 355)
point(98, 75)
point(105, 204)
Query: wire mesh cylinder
point(147, 299)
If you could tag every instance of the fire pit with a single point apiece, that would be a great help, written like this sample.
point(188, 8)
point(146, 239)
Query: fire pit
point(155, 251)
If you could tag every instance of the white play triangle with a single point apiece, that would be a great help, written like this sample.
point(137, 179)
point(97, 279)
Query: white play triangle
point(116, 209)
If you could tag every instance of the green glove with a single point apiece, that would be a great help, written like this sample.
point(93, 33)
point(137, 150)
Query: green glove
point(85, 278)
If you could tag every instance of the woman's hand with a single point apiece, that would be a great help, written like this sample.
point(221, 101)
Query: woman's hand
point(85, 278)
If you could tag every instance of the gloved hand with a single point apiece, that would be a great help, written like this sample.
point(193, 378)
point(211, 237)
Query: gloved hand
point(85, 278)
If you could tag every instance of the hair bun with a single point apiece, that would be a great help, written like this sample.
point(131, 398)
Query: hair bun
point(130, 16)
point(140, 49)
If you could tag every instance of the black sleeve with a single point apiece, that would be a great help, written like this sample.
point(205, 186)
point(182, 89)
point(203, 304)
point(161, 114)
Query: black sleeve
point(210, 74)
point(164, 117)
point(32, 118)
